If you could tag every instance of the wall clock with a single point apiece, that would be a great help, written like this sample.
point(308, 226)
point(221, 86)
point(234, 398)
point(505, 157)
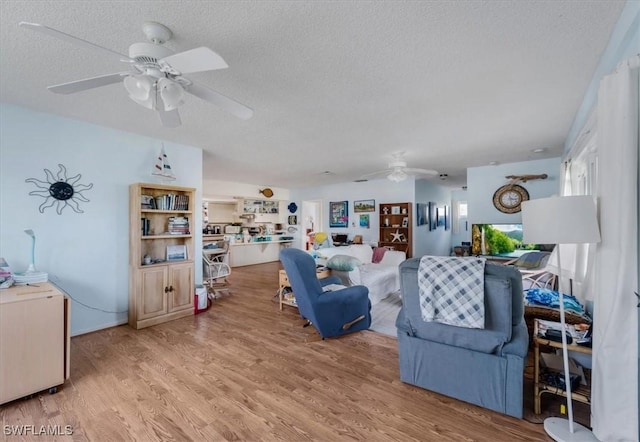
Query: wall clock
point(508, 198)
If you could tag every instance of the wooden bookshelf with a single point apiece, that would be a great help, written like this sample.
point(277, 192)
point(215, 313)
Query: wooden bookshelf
point(162, 289)
point(396, 226)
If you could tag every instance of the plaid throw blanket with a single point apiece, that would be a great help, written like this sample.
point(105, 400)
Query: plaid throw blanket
point(452, 290)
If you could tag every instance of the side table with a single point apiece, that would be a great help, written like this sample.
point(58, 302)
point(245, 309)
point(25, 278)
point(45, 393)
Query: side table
point(581, 394)
point(283, 283)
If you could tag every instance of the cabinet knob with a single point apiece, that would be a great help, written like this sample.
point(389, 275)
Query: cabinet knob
point(170, 288)
point(166, 289)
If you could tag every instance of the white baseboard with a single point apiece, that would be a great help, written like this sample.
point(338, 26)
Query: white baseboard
point(100, 327)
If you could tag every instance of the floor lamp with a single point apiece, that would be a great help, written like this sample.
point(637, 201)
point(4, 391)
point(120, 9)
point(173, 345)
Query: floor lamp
point(562, 220)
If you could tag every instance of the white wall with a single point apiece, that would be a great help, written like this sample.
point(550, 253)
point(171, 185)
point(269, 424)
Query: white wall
point(215, 188)
point(624, 42)
point(382, 191)
point(482, 182)
point(463, 234)
point(85, 253)
point(438, 241)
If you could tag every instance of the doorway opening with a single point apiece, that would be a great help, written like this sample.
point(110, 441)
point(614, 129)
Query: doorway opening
point(311, 222)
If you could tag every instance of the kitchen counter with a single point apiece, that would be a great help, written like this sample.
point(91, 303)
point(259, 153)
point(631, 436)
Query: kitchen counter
point(257, 252)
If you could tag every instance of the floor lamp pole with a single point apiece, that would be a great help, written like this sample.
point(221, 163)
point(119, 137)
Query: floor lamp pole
point(555, 427)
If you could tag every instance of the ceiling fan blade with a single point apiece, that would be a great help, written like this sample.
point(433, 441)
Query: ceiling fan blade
point(195, 60)
point(412, 171)
point(226, 103)
point(75, 40)
point(87, 83)
point(377, 173)
point(170, 119)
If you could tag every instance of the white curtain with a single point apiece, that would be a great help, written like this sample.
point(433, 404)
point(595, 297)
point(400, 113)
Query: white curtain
point(578, 177)
point(614, 407)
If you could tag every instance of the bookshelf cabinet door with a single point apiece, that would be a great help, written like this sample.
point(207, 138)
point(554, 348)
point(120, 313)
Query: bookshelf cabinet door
point(181, 280)
point(153, 299)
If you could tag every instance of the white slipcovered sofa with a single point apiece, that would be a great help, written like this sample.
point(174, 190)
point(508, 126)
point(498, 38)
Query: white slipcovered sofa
point(381, 278)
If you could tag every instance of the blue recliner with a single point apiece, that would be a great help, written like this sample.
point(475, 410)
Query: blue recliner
point(332, 313)
point(481, 366)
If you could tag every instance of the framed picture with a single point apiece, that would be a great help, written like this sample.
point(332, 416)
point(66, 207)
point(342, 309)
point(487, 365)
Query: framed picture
point(447, 218)
point(433, 216)
point(440, 212)
point(364, 206)
point(292, 220)
point(176, 253)
point(421, 210)
point(339, 214)
point(395, 210)
point(405, 222)
point(364, 221)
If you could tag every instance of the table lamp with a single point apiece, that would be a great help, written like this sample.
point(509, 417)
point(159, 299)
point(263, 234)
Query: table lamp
point(31, 275)
point(562, 220)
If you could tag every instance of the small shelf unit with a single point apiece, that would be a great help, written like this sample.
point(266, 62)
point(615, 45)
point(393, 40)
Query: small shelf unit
point(396, 227)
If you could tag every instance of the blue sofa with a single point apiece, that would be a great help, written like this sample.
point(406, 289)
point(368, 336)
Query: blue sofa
point(481, 366)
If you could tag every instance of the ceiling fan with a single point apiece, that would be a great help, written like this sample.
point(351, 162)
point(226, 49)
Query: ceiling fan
point(155, 77)
point(398, 170)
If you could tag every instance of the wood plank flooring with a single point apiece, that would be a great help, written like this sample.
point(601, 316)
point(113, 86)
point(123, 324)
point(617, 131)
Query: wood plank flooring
point(243, 370)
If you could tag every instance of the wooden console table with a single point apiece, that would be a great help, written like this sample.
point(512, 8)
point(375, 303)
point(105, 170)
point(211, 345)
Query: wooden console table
point(581, 394)
point(283, 283)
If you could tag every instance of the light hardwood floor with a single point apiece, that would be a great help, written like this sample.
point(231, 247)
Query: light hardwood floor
point(246, 371)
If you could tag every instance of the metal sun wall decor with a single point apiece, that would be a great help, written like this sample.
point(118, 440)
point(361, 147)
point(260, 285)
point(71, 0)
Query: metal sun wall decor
point(62, 190)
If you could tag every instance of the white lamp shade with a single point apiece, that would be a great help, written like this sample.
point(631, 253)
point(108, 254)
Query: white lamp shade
point(139, 88)
point(560, 220)
point(171, 93)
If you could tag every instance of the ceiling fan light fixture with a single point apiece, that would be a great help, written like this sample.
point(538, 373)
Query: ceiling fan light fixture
point(172, 94)
point(139, 88)
point(397, 175)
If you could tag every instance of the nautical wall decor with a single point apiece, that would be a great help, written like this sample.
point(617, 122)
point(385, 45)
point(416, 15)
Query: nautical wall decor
point(162, 168)
point(60, 191)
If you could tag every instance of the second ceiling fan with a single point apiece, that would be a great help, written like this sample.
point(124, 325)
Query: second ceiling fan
point(398, 170)
point(155, 78)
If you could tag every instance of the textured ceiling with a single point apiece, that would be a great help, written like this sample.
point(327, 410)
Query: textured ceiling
point(336, 86)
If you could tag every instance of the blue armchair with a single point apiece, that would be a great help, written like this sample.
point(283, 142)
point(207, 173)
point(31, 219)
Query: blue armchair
point(481, 366)
point(332, 313)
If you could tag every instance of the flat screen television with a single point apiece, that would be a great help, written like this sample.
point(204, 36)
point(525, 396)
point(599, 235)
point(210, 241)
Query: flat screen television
point(501, 239)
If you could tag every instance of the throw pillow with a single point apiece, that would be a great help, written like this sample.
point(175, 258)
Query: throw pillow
point(344, 263)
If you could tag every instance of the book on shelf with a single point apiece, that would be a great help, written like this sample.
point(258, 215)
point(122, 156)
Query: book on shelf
point(170, 201)
point(147, 202)
point(178, 225)
point(145, 226)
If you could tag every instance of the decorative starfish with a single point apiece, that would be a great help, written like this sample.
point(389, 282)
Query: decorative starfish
point(397, 236)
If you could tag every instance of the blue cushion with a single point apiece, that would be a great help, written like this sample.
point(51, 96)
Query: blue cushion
point(344, 263)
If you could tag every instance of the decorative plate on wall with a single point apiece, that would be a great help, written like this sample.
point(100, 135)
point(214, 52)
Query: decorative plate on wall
point(293, 207)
